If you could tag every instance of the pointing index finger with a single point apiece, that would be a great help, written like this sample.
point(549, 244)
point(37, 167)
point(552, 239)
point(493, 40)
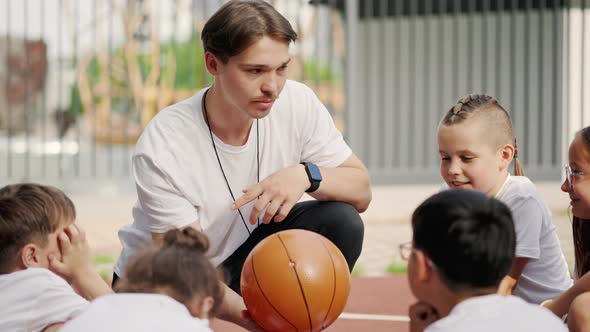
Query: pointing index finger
point(249, 195)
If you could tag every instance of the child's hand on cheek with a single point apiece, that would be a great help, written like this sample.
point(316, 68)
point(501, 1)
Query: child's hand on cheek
point(75, 265)
point(75, 255)
point(421, 316)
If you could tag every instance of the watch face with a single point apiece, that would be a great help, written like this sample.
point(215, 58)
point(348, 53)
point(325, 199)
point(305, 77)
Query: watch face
point(314, 172)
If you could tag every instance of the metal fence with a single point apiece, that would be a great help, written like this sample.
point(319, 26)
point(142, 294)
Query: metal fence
point(414, 59)
point(79, 79)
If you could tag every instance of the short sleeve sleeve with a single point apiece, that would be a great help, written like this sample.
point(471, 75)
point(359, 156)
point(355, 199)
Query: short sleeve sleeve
point(323, 143)
point(161, 202)
point(57, 303)
point(528, 221)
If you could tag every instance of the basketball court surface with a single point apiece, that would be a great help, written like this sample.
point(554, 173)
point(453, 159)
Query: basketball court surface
point(375, 304)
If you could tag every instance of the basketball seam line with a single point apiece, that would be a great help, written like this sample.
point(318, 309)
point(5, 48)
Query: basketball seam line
point(299, 282)
point(334, 288)
point(264, 295)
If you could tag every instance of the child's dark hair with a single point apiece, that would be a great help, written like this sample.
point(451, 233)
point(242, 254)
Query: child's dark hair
point(581, 227)
point(497, 117)
point(178, 266)
point(29, 212)
point(468, 236)
point(237, 24)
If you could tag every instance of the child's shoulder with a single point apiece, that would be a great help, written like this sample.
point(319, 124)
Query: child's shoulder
point(38, 277)
point(43, 298)
point(34, 286)
point(518, 190)
point(521, 186)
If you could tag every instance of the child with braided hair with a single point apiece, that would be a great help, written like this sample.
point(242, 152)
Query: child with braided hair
point(477, 145)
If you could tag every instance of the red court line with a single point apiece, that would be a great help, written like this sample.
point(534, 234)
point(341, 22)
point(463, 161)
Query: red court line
point(379, 296)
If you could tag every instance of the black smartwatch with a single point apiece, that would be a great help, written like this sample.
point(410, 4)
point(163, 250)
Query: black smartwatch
point(314, 175)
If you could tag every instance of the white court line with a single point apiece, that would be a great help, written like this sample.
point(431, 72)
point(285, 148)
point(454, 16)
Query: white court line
point(394, 318)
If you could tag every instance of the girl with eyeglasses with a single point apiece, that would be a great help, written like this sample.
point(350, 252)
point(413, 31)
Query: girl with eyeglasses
point(577, 185)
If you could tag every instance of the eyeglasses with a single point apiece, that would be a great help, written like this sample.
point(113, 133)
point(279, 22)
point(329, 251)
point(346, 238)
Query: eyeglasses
point(569, 175)
point(406, 249)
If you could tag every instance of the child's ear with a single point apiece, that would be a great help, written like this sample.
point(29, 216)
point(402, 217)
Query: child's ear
point(206, 306)
point(29, 256)
point(506, 154)
point(200, 308)
point(423, 267)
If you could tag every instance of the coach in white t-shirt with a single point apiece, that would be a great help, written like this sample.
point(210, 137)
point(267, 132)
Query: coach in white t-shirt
point(463, 245)
point(234, 160)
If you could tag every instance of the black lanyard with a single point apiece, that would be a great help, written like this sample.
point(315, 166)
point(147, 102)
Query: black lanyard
point(219, 160)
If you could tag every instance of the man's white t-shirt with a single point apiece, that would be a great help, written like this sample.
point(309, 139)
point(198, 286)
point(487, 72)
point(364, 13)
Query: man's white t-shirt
point(136, 312)
point(546, 275)
point(179, 181)
point(493, 313)
point(32, 299)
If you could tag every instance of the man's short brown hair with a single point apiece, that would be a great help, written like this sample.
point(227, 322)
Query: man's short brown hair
point(29, 212)
point(239, 23)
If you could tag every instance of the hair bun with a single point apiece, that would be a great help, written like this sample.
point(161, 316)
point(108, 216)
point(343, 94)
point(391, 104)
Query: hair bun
point(188, 238)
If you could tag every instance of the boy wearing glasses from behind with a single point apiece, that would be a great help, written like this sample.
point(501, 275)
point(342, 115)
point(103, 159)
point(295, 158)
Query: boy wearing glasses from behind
point(463, 245)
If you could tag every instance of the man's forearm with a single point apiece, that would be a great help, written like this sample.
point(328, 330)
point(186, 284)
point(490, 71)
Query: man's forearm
point(345, 184)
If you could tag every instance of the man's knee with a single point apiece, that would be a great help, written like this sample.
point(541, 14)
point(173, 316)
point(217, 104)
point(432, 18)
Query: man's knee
point(343, 226)
point(345, 216)
point(341, 211)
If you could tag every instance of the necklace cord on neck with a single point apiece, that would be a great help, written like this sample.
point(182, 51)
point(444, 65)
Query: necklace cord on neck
point(219, 160)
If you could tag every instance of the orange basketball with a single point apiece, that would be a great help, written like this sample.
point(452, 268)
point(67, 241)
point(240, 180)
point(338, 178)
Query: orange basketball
point(295, 280)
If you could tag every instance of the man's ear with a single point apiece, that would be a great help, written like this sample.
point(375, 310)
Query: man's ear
point(506, 155)
point(212, 63)
point(29, 256)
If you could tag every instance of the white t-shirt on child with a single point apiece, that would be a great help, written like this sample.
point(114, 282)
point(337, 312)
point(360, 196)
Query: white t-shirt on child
point(493, 313)
point(136, 312)
point(179, 181)
point(546, 275)
point(32, 299)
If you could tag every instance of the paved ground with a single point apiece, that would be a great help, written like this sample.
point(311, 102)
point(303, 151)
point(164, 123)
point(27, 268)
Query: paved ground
point(386, 226)
point(387, 222)
point(376, 304)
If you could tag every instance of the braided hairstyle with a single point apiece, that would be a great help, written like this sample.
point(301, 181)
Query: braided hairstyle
point(581, 227)
point(493, 113)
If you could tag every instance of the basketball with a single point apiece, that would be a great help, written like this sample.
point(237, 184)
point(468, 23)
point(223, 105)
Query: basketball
point(295, 280)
